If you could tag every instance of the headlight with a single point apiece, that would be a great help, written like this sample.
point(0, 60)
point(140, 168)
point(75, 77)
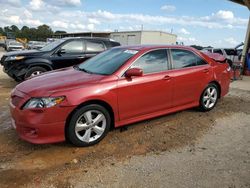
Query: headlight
point(11, 58)
point(44, 102)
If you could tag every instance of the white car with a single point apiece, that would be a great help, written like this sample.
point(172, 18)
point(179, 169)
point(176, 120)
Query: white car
point(14, 46)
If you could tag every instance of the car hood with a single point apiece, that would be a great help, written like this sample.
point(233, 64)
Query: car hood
point(25, 53)
point(56, 81)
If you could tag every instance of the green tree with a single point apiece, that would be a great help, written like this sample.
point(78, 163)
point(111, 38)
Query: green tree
point(2, 31)
point(43, 32)
point(14, 28)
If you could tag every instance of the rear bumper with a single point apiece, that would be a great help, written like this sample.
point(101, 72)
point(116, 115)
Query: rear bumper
point(40, 126)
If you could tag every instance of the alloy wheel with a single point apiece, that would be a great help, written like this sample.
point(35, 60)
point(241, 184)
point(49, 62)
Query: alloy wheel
point(90, 126)
point(36, 73)
point(210, 97)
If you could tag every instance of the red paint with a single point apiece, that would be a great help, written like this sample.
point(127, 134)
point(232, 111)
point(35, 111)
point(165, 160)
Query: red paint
point(132, 98)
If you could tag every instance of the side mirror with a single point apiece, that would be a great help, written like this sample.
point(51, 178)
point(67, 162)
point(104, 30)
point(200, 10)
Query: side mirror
point(133, 72)
point(61, 51)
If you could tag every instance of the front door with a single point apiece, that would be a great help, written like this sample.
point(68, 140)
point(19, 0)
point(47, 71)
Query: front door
point(69, 54)
point(149, 93)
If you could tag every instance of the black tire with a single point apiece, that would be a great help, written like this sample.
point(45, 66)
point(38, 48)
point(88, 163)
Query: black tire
point(32, 70)
point(71, 134)
point(204, 104)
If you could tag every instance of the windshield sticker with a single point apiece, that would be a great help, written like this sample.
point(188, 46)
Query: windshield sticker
point(131, 51)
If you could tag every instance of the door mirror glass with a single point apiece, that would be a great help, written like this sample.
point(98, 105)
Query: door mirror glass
point(133, 72)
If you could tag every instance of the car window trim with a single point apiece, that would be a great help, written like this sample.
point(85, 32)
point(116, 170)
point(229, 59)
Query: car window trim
point(123, 74)
point(172, 61)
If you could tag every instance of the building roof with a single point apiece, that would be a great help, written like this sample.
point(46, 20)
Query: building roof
point(242, 2)
point(136, 31)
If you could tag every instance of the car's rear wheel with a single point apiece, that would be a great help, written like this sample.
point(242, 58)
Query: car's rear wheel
point(209, 97)
point(34, 71)
point(88, 125)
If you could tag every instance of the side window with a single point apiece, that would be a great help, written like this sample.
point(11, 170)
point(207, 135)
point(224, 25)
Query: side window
point(94, 46)
point(184, 58)
point(75, 46)
point(154, 61)
point(218, 51)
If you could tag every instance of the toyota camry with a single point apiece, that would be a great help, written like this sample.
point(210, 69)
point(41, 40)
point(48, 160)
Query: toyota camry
point(120, 86)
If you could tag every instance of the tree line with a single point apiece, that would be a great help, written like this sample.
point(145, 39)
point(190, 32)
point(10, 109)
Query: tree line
point(40, 33)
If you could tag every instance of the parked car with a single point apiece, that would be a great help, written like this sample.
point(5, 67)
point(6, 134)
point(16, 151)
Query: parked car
point(120, 86)
point(36, 45)
point(229, 53)
point(58, 54)
point(13, 45)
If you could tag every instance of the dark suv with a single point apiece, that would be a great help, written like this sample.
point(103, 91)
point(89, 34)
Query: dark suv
point(58, 54)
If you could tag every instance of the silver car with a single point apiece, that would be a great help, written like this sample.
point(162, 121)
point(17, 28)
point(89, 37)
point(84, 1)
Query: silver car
point(14, 46)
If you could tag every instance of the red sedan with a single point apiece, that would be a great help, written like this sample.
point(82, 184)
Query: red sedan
point(117, 87)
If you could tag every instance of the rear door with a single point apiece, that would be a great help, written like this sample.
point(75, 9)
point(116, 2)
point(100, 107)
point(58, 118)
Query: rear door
point(149, 93)
point(191, 75)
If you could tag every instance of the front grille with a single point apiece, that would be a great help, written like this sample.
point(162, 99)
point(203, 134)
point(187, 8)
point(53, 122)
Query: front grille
point(7, 65)
point(15, 100)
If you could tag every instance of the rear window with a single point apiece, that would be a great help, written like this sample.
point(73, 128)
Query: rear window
point(218, 51)
point(231, 52)
point(94, 46)
point(184, 58)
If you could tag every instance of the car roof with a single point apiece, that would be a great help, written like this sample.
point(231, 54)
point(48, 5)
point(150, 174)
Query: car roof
point(149, 47)
point(91, 38)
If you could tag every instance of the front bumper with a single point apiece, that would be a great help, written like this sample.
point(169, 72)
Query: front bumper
point(16, 72)
point(38, 126)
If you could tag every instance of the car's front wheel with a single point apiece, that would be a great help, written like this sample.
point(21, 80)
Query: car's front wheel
point(209, 97)
point(34, 71)
point(88, 125)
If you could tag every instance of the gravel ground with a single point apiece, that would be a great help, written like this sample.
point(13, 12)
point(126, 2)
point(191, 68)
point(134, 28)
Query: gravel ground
point(184, 149)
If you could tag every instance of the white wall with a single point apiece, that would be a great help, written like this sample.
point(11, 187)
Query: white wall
point(143, 37)
point(127, 38)
point(155, 37)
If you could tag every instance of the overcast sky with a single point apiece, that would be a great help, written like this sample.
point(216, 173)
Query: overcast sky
point(219, 23)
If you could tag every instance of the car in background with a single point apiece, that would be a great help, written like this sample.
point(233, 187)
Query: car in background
point(58, 54)
point(120, 86)
point(231, 54)
point(35, 45)
point(13, 45)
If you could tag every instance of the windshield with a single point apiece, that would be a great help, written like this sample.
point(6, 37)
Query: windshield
point(52, 45)
point(108, 62)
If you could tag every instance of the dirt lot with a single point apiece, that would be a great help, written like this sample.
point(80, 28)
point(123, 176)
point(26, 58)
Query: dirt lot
point(185, 149)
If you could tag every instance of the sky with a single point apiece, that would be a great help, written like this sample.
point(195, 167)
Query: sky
point(218, 23)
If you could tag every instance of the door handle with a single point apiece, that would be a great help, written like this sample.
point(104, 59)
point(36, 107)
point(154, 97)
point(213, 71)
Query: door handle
point(205, 70)
point(167, 77)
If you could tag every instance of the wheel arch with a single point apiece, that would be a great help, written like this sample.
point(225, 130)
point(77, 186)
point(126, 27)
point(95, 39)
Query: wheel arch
point(43, 65)
point(93, 101)
point(218, 85)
